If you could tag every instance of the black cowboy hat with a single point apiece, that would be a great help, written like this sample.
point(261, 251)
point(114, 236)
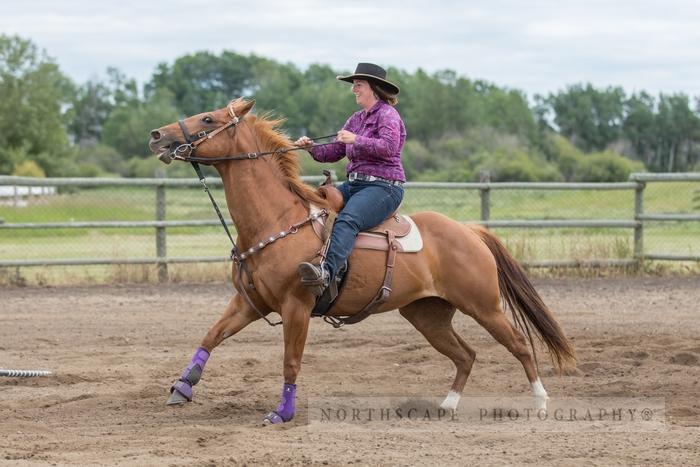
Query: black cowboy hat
point(371, 72)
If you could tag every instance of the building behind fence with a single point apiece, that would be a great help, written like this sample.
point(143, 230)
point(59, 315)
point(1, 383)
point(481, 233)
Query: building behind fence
point(163, 221)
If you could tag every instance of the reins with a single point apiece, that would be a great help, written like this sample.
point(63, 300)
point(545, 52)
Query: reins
point(238, 258)
point(190, 147)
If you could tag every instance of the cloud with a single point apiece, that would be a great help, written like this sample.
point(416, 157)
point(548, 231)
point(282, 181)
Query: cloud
point(537, 46)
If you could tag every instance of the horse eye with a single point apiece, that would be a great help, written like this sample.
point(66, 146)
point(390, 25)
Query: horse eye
point(208, 119)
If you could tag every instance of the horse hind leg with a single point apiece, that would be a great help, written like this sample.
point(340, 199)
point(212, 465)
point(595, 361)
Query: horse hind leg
point(432, 317)
point(496, 323)
point(501, 277)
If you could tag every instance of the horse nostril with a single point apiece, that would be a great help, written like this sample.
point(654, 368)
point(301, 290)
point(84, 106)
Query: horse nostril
point(155, 134)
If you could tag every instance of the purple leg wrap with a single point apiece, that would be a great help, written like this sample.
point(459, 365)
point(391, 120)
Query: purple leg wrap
point(285, 411)
point(192, 373)
point(287, 405)
point(184, 388)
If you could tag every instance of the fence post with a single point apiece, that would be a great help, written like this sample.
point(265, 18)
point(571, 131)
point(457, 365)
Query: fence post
point(639, 227)
point(161, 250)
point(485, 195)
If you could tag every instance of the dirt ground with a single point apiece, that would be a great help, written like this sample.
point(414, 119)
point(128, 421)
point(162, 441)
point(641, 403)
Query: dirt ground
point(116, 350)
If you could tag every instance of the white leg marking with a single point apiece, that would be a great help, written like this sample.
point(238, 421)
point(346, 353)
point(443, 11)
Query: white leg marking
point(540, 395)
point(451, 401)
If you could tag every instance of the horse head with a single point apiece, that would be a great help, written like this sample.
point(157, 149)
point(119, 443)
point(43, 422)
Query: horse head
point(197, 134)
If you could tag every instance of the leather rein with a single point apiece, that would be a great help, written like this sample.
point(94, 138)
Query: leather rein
point(186, 153)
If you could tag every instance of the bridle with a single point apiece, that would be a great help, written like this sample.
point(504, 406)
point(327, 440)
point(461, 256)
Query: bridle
point(186, 152)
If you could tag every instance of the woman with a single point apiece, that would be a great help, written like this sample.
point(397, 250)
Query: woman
point(372, 139)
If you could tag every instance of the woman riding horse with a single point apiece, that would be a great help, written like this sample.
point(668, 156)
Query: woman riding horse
point(372, 139)
point(460, 267)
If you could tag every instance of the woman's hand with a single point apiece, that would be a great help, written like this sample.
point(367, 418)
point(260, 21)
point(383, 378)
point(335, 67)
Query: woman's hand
point(344, 136)
point(304, 142)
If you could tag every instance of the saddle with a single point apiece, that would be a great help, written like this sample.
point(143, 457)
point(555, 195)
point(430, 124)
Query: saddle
point(397, 233)
point(404, 230)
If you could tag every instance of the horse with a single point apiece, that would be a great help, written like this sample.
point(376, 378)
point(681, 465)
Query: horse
point(460, 267)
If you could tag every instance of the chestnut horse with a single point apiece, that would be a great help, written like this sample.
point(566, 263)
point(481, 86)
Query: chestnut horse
point(460, 267)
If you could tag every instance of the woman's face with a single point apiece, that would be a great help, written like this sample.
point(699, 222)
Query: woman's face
point(364, 96)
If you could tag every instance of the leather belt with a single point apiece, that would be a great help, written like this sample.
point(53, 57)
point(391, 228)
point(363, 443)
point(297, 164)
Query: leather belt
point(352, 176)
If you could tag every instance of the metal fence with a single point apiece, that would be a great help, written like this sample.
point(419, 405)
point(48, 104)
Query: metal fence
point(79, 221)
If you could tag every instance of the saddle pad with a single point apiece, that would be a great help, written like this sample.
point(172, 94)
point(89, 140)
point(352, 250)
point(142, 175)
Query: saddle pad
point(411, 243)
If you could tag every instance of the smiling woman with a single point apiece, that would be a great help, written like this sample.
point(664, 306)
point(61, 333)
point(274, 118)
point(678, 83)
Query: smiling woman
point(372, 139)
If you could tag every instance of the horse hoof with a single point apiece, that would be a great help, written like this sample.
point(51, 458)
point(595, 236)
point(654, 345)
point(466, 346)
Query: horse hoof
point(176, 398)
point(272, 418)
point(451, 401)
point(541, 403)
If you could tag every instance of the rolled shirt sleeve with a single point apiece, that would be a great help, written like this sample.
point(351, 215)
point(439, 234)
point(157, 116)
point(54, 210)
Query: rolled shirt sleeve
point(332, 152)
point(328, 153)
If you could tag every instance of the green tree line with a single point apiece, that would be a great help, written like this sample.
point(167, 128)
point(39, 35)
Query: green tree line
point(459, 129)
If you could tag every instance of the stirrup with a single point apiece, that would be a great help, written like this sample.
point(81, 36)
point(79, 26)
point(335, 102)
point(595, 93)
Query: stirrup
point(333, 321)
point(314, 277)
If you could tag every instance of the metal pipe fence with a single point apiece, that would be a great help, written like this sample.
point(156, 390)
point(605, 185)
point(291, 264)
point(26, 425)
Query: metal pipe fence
point(79, 221)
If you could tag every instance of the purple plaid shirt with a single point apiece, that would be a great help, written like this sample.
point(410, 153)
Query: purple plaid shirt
point(377, 149)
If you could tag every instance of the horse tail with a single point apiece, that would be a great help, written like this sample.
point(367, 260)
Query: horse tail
point(526, 305)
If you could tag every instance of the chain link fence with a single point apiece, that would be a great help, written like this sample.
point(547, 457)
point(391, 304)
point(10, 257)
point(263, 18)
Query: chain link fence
point(45, 222)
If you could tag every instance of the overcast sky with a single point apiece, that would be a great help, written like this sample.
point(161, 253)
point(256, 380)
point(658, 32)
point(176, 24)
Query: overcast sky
point(535, 46)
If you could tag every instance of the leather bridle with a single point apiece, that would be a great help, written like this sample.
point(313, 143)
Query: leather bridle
point(186, 152)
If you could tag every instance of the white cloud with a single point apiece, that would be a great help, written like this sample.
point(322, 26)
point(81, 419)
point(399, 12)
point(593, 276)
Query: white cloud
point(536, 46)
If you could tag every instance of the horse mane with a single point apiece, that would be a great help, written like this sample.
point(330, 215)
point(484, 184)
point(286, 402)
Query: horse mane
point(272, 138)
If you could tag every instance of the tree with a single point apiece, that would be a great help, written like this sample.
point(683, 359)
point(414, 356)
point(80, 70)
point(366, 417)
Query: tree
point(590, 118)
point(89, 111)
point(29, 169)
point(508, 111)
point(276, 89)
point(514, 164)
point(203, 81)
point(678, 133)
point(425, 107)
point(560, 152)
point(128, 125)
point(32, 93)
point(606, 166)
point(639, 126)
point(323, 102)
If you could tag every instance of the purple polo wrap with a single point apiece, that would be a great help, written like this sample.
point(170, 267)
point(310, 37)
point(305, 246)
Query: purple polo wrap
point(287, 405)
point(192, 374)
point(196, 367)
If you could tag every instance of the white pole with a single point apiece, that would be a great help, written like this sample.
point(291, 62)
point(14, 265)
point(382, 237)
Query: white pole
point(24, 373)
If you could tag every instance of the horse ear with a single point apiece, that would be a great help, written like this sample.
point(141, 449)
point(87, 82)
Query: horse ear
point(245, 107)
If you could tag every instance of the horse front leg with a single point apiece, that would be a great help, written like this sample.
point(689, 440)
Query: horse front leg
point(295, 316)
point(237, 315)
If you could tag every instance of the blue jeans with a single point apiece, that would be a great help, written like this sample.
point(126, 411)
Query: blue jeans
point(367, 204)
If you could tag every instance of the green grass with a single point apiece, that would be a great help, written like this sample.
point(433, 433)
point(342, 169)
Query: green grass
point(138, 204)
